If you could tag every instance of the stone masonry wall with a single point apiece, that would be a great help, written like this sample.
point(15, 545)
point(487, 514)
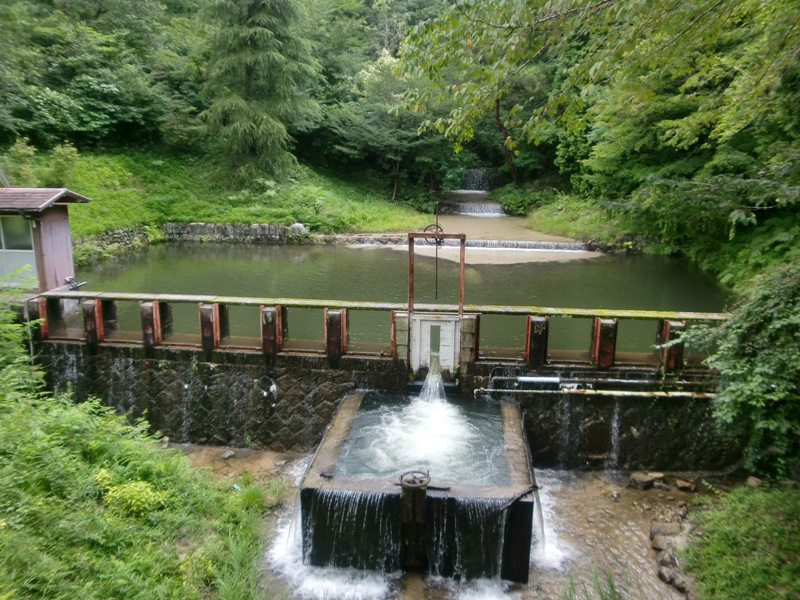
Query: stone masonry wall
point(238, 399)
point(259, 233)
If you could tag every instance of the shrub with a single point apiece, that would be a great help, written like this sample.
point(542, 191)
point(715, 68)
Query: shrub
point(18, 164)
point(521, 200)
point(91, 508)
point(61, 162)
point(749, 545)
point(758, 356)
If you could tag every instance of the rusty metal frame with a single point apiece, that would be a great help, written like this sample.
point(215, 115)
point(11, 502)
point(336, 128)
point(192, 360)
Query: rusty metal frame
point(421, 235)
point(490, 309)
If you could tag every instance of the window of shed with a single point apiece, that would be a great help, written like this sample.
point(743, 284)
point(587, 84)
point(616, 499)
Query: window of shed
point(16, 246)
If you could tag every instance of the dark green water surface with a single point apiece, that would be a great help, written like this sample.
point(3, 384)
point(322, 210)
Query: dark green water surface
point(380, 274)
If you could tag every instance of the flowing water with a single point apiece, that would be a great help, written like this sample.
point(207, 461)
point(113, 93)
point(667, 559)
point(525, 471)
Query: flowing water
point(380, 274)
point(457, 440)
point(470, 202)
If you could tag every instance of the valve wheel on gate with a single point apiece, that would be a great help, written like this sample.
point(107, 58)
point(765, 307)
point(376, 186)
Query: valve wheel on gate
point(437, 232)
point(415, 479)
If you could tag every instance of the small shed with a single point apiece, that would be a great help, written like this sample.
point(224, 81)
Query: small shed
point(34, 231)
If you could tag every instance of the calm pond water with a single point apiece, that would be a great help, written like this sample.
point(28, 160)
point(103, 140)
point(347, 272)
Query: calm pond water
point(380, 274)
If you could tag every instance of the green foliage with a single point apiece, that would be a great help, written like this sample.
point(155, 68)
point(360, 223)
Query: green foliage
point(260, 74)
point(757, 352)
point(134, 498)
point(749, 545)
point(62, 160)
point(580, 218)
point(147, 189)
point(521, 200)
point(600, 588)
point(91, 508)
point(17, 164)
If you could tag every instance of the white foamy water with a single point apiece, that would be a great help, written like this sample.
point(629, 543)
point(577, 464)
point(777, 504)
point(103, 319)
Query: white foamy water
point(456, 443)
point(285, 556)
point(552, 553)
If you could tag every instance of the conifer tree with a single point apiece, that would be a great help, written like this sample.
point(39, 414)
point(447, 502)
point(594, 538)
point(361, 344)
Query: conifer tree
point(259, 73)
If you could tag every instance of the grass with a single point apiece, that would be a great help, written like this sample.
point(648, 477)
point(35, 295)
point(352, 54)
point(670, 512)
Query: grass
point(578, 218)
point(749, 546)
point(557, 213)
point(91, 508)
point(136, 188)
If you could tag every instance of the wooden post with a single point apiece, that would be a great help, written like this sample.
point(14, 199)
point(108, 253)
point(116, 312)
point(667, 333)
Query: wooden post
point(672, 356)
point(334, 342)
point(93, 322)
point(604, 342)
point(209, 326)
point(109, 309)
point(536, 333)
point(37, 311)
point(151, 324)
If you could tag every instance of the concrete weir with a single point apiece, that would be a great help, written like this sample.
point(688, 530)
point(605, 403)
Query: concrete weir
point(607, 408)
point(452, 530)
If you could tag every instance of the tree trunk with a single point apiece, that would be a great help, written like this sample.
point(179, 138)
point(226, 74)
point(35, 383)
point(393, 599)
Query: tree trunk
point(504, 131)
point(396, 177)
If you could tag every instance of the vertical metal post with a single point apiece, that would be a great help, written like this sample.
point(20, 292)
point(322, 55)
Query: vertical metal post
point(93, 322)
point(334, 343)
point(270, 343)
point(209, 326)
point(410, 276)
point(463, 248)
point(604, 342)
point(536, 333)
point(151, 324)
point(672, 356)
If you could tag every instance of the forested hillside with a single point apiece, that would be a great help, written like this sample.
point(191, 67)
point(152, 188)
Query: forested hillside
point(668, 126)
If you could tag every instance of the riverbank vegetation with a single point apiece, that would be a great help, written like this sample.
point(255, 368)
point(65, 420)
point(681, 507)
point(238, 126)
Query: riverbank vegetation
point(90, 507)
point(749, 544)
point(148, 187)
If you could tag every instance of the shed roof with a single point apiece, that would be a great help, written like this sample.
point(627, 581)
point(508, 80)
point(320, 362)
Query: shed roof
point(36, 199)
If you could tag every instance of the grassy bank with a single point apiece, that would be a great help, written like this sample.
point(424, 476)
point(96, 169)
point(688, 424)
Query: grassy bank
point(137, 187)
point(749, 545)
point(563, 214)
point(90, 507)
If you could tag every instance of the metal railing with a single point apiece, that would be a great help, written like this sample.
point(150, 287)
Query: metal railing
point(94, 319)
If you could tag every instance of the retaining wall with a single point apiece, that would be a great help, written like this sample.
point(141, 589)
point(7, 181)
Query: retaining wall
point(236, 399)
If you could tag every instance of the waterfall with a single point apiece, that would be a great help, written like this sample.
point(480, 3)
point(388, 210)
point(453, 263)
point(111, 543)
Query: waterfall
point(470, 202)
point(612, 461)
point(468, 536)
point(564, 454)
point(343, 528)
point(493, 244)
point(476, 179)
point(433, 388)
